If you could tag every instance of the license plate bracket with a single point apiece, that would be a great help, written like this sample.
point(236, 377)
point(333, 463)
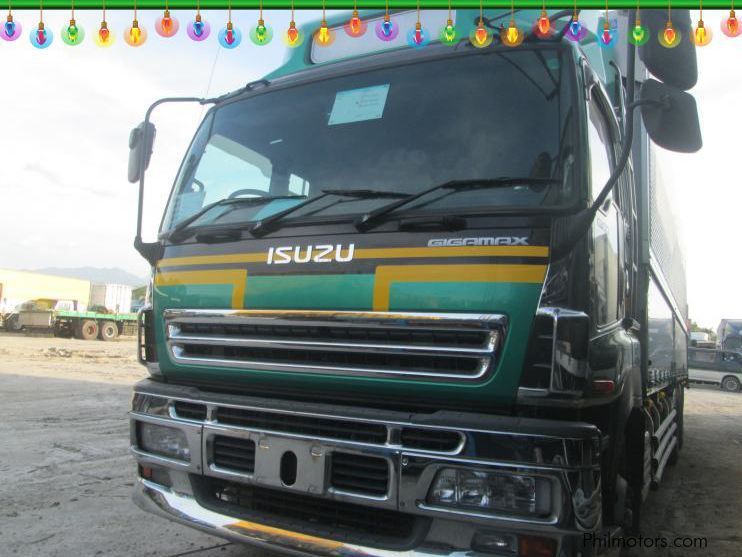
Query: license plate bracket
point(272, 462)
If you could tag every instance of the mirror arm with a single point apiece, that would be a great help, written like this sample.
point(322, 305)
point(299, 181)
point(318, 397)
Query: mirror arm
point(580, 223)
point(152, 251)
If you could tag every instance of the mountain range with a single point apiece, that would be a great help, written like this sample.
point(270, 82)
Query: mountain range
point(107, 275)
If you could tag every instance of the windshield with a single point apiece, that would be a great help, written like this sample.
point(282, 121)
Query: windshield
point(401, 129)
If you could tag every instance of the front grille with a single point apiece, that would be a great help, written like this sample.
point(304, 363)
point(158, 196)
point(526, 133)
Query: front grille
point(364, 474)
point(232, 453)
point(413, 346)
point(362, 432)
point(190, 410)
point(310, 515)
point(430, 439)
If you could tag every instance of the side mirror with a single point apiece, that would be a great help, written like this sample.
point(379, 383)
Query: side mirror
point(141, 140)
point(675, 66)
point(670, 117)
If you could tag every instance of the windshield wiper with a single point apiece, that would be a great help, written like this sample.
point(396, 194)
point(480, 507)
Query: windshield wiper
point(372, 218)
point(182, 231)
point(269, 224)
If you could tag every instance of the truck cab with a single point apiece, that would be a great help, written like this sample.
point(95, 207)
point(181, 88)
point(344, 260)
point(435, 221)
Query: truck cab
point(373, 327)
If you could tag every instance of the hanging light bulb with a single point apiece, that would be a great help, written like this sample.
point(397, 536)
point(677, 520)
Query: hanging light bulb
point(417, 37)
point(511, 36)
point(607, 31)
point(576, 31)
point(669, 37)
point(730, 25)
point(229, 37)
point(11, 29)
point(167, 25)
point(261, 34)
point(292, 34)
point(41, 37)
point(449, 34)
point(72, 34)
point(355, 26)
point(702, 34)
point(639, 34)
point(135, 35)
point(386, 30)
point(198, 29)
point(480, 37)
point(543, 28)
point(293, 37)
point(104, 37)
point(324, 36)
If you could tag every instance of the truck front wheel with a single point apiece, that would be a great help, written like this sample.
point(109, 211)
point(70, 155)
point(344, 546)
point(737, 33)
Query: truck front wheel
point(87, 329)
point(108, 331)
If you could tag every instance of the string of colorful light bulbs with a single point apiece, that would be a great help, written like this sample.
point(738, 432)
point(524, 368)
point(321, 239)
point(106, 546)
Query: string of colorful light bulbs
point(386, 29)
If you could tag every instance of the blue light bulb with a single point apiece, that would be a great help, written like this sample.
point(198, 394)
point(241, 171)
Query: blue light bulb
point(386, 28)
point(9, 28)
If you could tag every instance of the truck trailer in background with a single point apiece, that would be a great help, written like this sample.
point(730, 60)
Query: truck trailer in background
point(729, 334)
point(422, 302)
point(67, 306)
point(115, 298)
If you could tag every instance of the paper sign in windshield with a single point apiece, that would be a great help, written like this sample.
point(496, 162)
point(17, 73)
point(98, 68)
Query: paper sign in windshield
point(358, 105)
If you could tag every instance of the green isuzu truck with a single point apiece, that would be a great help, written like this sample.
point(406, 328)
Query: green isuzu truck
point(421, 301)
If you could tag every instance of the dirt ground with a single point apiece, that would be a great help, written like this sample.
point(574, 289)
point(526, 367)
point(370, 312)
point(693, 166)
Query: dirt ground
point(66, 475)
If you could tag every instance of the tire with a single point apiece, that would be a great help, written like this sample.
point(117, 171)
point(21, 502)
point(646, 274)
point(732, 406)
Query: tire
point(62, 330)
point(87, 329)
point(108, 331)
point(730, 384)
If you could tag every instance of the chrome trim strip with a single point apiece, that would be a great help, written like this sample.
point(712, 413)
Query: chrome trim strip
point(429, 350)
point(358, 318)
point(179, 357)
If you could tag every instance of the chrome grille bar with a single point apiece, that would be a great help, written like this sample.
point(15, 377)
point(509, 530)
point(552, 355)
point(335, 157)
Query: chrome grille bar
point(442, 346)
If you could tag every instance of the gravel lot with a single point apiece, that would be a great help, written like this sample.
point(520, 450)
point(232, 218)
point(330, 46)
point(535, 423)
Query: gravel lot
point(66, 476)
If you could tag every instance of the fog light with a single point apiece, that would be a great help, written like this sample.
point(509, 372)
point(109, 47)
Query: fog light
point(164, 441)
point(491, 491)
point(495, 543)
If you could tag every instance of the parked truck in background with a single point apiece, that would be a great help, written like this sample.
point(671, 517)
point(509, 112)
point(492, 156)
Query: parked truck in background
point(729, 334)
point(69, 307)
point(421, 301)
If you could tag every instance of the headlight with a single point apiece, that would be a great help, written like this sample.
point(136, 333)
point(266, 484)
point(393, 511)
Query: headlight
point(491, 491)
point(163, 441)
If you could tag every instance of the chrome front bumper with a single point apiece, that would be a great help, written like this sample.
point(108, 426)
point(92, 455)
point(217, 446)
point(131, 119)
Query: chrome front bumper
point(491, 443)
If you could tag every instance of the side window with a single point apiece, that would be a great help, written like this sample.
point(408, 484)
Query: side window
point(601, 148)
point(605, 279)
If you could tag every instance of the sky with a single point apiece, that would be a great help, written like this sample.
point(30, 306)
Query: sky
point(67, 112)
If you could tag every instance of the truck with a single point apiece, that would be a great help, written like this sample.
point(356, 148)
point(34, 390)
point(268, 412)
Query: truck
point(422, 301)
point(64, 319)
point(729, 334)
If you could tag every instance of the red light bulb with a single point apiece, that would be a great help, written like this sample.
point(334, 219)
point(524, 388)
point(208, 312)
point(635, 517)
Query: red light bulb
point(544, 24)
point(103, 32)
point(481, 34)
point(355, 23)
point(669, 33)
point(292, 33)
